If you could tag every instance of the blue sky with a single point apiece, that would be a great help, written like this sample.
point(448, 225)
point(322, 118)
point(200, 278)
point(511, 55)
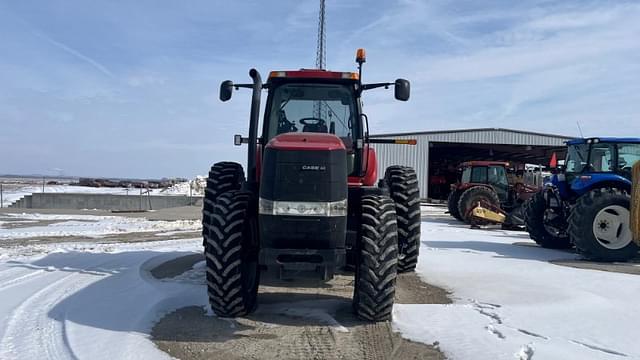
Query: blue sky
point(129, 88)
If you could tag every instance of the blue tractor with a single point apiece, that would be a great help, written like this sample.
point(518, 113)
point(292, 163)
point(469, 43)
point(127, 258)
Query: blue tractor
point(586, 202)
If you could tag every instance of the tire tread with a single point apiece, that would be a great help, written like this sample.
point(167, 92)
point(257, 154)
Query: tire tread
point(224, 254)
point(403, 186)
point(376, 272)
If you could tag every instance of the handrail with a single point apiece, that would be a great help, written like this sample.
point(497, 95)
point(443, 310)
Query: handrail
point(635, 203)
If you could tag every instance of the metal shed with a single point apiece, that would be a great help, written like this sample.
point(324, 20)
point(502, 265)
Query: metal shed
point(437, 149)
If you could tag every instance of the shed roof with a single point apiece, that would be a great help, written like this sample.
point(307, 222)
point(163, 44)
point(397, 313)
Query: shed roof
point(474, 130)
point(483, 136)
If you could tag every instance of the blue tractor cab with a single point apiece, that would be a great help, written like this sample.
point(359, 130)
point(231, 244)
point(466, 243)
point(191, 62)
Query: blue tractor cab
point(586, 202)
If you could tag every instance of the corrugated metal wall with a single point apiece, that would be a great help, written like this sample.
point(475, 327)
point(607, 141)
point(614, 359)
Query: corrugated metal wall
point(415, 156)
point(418, 156)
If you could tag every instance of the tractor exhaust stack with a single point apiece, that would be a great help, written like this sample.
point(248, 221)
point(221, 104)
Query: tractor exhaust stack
point(252, 182)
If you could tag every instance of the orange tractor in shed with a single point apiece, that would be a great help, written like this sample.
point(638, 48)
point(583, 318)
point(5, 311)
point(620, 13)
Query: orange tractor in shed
point(487, 194)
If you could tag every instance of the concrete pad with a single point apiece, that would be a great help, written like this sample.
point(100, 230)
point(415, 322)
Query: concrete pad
point(168, 214)
point(631, 268)
point(287, 326)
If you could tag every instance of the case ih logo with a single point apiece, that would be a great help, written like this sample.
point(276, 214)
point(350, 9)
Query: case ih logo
point(313, 168)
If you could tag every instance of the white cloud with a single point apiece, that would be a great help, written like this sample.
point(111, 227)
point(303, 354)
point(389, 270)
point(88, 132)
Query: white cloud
point(534, 67)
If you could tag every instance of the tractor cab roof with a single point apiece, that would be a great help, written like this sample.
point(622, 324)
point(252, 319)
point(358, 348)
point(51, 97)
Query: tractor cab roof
point(313, 74)
point(604, 139)
point(484, 163)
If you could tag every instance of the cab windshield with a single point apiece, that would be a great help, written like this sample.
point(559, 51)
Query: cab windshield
point(474, 174)
point(577, 158)
point(319, 108)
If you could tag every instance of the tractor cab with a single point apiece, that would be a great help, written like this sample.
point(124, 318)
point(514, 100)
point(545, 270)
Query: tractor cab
point(492, 173)
point(597, 160)
point(316, 101)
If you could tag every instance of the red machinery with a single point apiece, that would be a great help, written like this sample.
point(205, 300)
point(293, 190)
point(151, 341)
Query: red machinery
point(310, 203)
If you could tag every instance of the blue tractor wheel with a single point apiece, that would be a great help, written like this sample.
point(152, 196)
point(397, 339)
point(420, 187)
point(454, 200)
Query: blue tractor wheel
point(599, 226)
point(544, 225)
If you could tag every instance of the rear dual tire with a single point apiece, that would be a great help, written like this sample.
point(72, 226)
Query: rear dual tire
point(404, 190)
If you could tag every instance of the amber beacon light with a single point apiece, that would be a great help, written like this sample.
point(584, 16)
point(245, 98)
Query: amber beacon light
point(361, 56)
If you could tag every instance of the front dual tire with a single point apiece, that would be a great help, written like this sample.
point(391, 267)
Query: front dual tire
point(231, 251)
point(232, 261)
point(376, 259)
point(231, 239)
point(224, 176)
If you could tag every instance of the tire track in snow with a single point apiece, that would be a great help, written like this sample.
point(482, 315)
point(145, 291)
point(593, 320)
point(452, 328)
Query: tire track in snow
point(41, 344)
point(598, 348)
point(20, 279)
point(484, 309)
point(530, 333)
point(487, 309)
point(50, 341)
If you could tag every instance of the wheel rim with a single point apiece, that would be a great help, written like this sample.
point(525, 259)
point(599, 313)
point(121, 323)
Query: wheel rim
point(611, 227)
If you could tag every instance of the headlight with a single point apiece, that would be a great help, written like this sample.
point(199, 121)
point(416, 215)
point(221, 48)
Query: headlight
point(303, 208)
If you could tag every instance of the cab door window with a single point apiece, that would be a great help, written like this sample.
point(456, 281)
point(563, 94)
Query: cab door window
point(498, 178)
point(601, 159)
point(628, 155)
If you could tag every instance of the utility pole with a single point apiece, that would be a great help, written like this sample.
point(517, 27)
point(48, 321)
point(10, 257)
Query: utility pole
point(319, 109)
point(321, 55)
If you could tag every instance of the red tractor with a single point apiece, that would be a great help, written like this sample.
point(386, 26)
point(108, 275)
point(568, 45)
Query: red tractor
point(486, 185)
point(310, 202)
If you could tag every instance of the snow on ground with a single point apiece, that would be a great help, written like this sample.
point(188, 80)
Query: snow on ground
point(98, 301)
point(90, 301)
point(511, 303)
point(89, 226)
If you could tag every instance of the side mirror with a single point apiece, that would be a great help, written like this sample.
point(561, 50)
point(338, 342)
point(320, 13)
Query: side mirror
point(239, 140)
point(402, 89)
point(226, 89)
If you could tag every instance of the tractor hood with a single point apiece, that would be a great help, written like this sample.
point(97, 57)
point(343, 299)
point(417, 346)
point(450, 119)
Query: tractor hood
point(306, 141)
